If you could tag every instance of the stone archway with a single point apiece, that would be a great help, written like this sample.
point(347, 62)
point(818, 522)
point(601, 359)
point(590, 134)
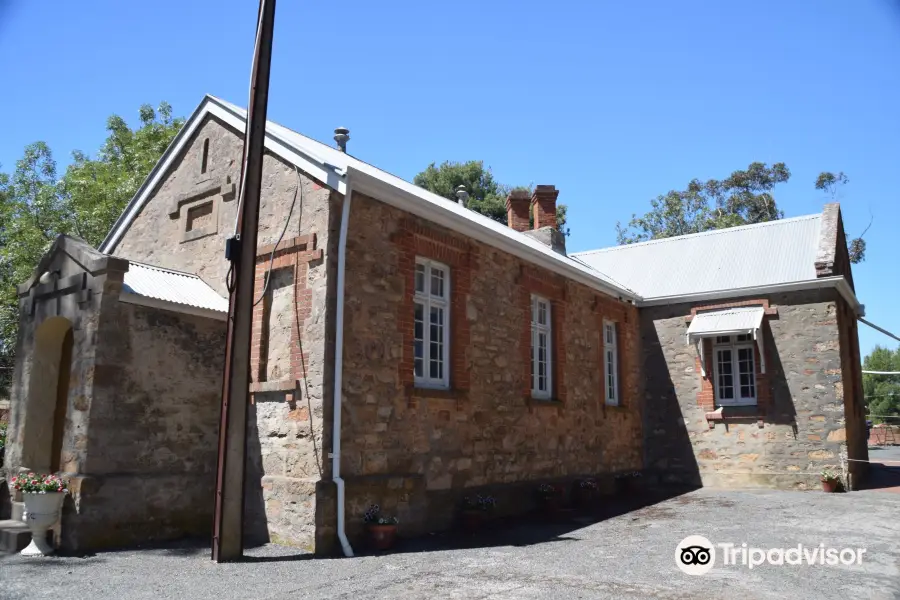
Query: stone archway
point(45, 407)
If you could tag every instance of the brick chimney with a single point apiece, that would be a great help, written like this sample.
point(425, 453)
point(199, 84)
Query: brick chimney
point(518, 205)
point(543, 203)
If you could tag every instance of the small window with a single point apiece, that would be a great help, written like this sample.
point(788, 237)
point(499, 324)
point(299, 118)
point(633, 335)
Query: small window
point(611, 362)
point(541, 361)
point(735, 371)
point(431, 337)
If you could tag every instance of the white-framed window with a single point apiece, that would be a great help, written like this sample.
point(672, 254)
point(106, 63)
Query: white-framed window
point(431, 337)
point(611, 362)
point(735, 370)
point(541, 348)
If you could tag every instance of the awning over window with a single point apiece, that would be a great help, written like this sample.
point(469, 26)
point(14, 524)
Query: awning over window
point(728, 321)
point(744, 320)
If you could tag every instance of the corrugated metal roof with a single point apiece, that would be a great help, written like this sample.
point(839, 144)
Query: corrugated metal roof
point(769, 253)
point(332, 156)
point(726, 321)
point(172, 286)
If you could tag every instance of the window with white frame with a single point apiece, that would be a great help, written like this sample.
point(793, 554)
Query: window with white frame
point(611, 362)
point(541, 361)
point(431, 338)
point(735, 370)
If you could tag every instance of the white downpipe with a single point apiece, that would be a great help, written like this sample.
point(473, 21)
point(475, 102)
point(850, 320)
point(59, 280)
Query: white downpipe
point(338, 372)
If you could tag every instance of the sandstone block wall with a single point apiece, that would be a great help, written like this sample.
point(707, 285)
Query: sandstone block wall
point(184, 227)
point(417, 452)
point(150, 451)
point(803, 422)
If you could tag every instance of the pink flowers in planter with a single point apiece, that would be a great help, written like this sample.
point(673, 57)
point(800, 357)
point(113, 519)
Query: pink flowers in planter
point(38, 484)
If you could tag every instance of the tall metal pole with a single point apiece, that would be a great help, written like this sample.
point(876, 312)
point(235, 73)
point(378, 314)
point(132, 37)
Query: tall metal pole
point(228, 542)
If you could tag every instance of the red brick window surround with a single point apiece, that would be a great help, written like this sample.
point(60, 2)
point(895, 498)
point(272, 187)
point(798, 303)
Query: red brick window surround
point(535, 283)
point(431, 324)
point(419, 244)
point(709, 395)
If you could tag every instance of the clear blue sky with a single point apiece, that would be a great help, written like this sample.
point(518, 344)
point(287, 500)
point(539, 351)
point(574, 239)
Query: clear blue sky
point(613, 102)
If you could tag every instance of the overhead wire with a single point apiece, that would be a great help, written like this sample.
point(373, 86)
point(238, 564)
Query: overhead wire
point(298, 191)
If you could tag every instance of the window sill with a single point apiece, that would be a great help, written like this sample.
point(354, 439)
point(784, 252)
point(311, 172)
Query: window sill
point(413, 393)
point(543, 402)
point(735, 414)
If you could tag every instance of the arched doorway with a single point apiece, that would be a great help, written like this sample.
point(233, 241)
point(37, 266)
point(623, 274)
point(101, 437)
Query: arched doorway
point(48, 392)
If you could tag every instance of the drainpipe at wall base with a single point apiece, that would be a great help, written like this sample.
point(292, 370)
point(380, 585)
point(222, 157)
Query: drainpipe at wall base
point(338, 372)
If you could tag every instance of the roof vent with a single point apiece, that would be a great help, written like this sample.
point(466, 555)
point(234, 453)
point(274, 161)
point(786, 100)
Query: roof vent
point(341, 135)
point(462, 195)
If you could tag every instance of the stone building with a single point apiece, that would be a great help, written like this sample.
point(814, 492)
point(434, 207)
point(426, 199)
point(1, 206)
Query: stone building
point(474, 356)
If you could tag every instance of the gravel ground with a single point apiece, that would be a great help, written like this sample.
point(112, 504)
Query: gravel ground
point(626, 556)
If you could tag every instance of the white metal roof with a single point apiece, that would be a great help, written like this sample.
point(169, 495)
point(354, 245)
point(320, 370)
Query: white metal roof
point(172, 287)
point(332, 166)
point(729, 321)
point(764, 254)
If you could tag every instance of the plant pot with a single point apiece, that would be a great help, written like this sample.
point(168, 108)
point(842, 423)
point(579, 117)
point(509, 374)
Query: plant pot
point(830, 485)
point(551, 505)
point(383, 536)
point(585, 498)
point(473, 520)
point(41, 513)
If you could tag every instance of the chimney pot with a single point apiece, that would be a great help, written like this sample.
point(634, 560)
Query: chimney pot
point(543, 203)
point(341, 136)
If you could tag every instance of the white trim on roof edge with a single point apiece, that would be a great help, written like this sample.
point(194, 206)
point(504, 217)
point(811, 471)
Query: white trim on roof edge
point(137, 299)
point(838, 282)
point(370, 181)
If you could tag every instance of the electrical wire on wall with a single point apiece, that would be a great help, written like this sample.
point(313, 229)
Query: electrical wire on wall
point(298, 191)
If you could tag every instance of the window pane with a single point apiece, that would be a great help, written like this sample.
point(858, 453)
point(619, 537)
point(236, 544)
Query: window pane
point(437, 282)
point(542, 313)
point(420, 278)
point(723, 339)
point(419, 340)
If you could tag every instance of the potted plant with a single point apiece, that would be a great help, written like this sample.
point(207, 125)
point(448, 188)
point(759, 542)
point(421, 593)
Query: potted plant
point(586, 492)
point(476, 510)
point(627, 482)
point(43, 496)
point(382, 529)
point(830, 481)
point(549, 499)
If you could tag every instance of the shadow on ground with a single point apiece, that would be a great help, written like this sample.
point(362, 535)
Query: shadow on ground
point(884, 471)
point(537, 528)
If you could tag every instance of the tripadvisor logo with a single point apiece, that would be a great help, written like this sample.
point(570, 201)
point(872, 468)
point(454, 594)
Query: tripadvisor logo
point(696, 555)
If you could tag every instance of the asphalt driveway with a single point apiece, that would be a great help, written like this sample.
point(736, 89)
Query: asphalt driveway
point(629, 555)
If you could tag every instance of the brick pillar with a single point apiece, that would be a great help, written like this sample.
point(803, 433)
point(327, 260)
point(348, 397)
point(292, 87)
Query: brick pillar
point(517, 207)
point(543, 203)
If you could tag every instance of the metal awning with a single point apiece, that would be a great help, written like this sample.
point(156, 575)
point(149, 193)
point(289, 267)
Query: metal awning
point(744, 320)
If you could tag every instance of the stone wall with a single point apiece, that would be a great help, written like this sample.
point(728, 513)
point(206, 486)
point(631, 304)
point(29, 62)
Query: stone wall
point(184, 226)
point(417, 452)
point(150, 452)
point(802, 425)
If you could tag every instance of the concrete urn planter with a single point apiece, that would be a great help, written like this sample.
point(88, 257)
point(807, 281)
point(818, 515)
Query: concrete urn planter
point(41, 513)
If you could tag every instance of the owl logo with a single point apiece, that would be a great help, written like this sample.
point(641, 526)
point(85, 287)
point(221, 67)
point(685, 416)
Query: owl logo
point(695, 555)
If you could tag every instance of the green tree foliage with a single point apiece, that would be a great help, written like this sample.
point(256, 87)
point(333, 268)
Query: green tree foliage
point(486, 195)
point(36, 205)
point(97, 190)
point(743, 198)
point(882, 392)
